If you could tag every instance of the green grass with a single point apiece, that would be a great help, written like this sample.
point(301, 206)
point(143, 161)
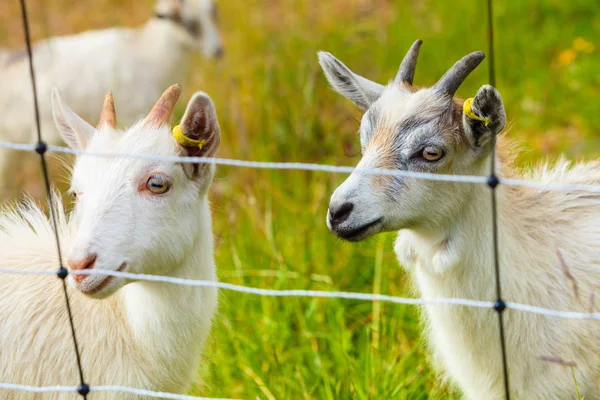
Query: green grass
point(274, 104)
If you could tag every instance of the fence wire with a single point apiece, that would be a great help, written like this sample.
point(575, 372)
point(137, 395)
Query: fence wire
point(318, 293)
point(493, 182)
point(300, 166)
point(117, 389)
point(41, 149)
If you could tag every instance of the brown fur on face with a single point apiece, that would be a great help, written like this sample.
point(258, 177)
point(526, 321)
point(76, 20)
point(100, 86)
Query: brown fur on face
point(385, 139)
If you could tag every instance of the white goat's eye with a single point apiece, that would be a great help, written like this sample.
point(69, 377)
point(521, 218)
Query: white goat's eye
point(158, 184)
point(432, 153)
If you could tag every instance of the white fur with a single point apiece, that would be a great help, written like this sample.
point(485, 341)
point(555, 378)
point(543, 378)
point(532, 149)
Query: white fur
point(146, 335)
point(445, 241)
point(139, 62)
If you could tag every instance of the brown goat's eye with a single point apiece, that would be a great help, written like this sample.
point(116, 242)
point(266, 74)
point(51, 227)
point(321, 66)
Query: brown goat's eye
point(158, 184)
point(432, 153)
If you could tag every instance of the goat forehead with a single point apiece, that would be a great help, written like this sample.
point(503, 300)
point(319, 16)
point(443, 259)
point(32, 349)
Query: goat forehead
point(135, 142)
point(399, 118)
point(138, 140)
point(397, 103)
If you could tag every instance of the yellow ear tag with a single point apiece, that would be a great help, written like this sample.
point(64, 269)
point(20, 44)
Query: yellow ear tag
point(184, 140)
point(469, 112)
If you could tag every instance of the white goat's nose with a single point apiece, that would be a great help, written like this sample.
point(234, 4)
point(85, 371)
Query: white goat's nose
point(79, 265)
point(339, 213)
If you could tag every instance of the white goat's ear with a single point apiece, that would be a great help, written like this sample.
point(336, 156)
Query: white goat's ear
point(72, 128)
point(200, 124)
point(484, 116)
point(355, 88)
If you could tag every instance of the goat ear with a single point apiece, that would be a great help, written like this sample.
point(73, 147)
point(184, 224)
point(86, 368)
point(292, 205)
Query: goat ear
point(355, 88)
point(72, 128)
point(200, 124)
point(168, 8)
point(484, 116)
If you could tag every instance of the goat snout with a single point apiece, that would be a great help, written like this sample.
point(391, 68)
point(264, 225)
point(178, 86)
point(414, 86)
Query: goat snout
point(79, 265)
point(339, 213)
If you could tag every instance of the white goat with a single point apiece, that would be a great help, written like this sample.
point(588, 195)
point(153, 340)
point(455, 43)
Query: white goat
point(139, 62)
point(445, 230)
point(133, 215)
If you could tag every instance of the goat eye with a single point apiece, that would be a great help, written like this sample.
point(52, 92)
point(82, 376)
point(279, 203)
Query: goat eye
point(158, 184)
point(432, 153)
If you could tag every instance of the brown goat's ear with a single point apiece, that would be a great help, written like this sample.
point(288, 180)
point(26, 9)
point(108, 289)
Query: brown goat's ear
point(483, 116)
point(200, 131)
point(72, 128)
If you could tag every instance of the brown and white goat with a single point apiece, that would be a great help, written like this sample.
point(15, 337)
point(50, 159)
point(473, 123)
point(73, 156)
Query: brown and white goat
point(444, 231)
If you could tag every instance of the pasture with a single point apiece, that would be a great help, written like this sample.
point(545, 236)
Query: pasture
point(274, 104)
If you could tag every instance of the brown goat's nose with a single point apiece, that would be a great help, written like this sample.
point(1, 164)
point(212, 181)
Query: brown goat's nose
point(86, 263)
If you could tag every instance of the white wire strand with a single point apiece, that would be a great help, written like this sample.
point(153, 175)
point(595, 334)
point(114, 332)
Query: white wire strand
point(120, 389)
point(319, 293)
point(315, 167)
point(37, 389)
point(277, 165)
point(148, 393)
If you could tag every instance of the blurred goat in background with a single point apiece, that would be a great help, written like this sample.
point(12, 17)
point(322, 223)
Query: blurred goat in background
point(139, 62)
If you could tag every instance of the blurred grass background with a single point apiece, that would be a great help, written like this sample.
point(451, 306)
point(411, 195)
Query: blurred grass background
point(274, 105)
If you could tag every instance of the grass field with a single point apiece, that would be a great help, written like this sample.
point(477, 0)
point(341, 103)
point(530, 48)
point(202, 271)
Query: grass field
point(274, 105)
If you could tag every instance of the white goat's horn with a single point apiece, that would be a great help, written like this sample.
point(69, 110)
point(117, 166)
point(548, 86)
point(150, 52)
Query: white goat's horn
point(406, 73)
point(161, 112)
point(108, 115)
point(449, 83)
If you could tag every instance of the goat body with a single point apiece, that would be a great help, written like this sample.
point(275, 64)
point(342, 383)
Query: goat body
point(547, 239)
point(133, 215)
point(458, 262)
point(149, 335)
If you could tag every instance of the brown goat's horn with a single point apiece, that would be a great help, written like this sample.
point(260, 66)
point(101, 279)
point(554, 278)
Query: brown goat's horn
point(451, 81)
point(108, 115)
point(406, 73)
point(161, 112)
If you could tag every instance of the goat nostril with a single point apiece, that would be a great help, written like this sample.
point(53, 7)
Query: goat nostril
point(341, 213)
point(86, 263)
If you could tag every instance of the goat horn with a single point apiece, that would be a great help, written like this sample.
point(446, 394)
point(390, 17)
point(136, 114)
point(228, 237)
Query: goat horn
point(108, 115)
point(406, 72)
point(161, 112)
point(451, 81)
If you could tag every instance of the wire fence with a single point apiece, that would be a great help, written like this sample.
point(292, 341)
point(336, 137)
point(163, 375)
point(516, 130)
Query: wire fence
point(298, 166)
point(317, 293)
point(499, 305)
